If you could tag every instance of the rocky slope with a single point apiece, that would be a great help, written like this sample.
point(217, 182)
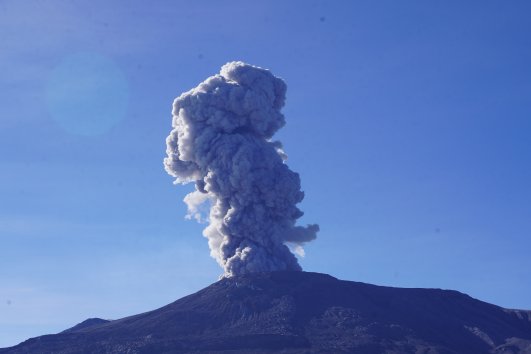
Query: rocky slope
point(300, 312)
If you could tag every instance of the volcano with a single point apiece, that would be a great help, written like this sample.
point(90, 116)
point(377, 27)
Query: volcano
point(301, 312)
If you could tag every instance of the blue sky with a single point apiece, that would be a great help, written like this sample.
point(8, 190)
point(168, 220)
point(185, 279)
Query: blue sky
point(408, 122)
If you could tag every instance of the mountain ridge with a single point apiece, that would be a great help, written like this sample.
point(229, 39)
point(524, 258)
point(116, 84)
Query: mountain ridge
point(302, 312)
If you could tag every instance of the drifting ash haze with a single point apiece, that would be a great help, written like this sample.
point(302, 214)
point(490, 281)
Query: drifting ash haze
point(221, 140)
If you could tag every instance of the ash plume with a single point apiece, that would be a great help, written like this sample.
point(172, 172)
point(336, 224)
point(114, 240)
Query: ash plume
point(222, 140)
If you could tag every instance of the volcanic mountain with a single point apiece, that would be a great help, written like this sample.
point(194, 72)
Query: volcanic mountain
point(301, 312)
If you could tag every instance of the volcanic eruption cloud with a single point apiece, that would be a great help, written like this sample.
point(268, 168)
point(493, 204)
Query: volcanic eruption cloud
point(222, 140)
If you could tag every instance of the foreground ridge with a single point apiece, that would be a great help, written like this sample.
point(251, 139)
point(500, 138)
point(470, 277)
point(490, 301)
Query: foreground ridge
point(302, 312)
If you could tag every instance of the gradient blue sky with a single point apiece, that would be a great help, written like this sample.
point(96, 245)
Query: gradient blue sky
point(409, 123)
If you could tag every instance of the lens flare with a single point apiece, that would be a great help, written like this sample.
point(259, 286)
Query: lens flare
point(87, 94)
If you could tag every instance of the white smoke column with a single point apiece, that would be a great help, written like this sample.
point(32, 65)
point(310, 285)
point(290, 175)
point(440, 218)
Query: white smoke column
point(221, 140)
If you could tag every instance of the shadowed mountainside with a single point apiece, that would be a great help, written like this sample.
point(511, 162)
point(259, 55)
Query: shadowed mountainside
point(300, 312)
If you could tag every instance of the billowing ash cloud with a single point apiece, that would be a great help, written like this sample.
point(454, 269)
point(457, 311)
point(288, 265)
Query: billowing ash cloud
point(221, 140)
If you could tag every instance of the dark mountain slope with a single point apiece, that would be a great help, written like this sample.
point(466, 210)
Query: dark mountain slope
point(86, 324)
point(299, 312)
